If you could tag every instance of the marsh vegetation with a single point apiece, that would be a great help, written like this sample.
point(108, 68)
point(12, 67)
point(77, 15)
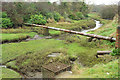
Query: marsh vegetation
point(26, 57)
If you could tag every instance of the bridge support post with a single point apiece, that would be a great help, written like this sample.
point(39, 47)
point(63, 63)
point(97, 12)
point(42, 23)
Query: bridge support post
point(117, 45)
point(45, 31)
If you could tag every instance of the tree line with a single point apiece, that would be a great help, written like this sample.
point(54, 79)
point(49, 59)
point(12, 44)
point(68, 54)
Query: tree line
point(14, 14)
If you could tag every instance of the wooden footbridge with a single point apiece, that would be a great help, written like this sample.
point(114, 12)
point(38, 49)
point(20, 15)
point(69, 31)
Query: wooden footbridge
point(46, 32)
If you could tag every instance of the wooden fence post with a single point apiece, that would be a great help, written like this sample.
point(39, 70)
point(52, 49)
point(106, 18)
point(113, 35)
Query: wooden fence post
point(117, 46)
point(45, 31)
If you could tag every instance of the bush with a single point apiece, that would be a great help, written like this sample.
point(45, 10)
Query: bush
point(79, 15)
point(76, 16)
point(62, 19)
point(6, 23)
point(56, 16)
point(50, 20)
point(49, 15)
point(4, 15)
point(38, 19)
point(115, 52)
point(72, 16)
point(107, 13)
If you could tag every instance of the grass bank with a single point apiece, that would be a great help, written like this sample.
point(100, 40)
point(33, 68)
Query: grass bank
point(108, 29)
point(109, 70)
point(15, 37)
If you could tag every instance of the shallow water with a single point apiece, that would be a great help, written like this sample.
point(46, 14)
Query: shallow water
point(3, 66)
point(98, 25)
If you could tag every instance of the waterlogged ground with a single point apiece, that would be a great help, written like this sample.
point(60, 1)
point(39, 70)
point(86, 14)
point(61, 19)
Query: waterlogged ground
point(28, 57)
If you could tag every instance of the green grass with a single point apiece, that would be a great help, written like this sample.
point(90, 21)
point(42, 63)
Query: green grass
point(53, 32)
point(18, 30)
point(18, 36)
point(109, 70)
point(8, 73)
point(76, 25)
point(109, 29)
point(95, 16)
point(30, 56)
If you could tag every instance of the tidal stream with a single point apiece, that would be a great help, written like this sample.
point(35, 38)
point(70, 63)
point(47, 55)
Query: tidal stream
point(67, 73)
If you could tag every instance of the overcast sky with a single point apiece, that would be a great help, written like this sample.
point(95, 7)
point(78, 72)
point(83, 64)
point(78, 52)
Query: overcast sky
point(97, 2)
point(102, 1)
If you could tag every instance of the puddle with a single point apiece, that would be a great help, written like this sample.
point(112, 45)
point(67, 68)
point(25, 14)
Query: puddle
point(3, 66)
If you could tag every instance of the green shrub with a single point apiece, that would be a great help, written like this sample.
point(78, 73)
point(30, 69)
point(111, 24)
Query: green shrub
point(115, 52)
point(79, 15)
point(56, 16)
point(4, 15)
point(50, 20)
point(72, 16)
point(6, 23)
point(62, 19)
point(38, 19)
point(76, 16)
point(49, 15)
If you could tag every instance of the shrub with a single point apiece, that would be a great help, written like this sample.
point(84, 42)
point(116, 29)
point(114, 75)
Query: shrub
point(50, 20)
point(72, 16)
point(38, 19)
point(79, 15)
point(4, 15)
point(62, 19)
point(107, 13)
point(6, 23)
point(49, 15)
point(76, 16)
point(56, 16)
point(115, 52)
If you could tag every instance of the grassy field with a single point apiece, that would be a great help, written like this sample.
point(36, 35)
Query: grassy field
point(9, 37)
point(30, 56)
point(8, 73)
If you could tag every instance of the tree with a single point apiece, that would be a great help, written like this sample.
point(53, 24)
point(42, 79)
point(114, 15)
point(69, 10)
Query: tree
point(18, 12)
point(107, 12)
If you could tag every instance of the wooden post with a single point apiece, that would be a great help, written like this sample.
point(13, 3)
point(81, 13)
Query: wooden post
point(45, 31)
point(117, 46)
point(119, 12)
